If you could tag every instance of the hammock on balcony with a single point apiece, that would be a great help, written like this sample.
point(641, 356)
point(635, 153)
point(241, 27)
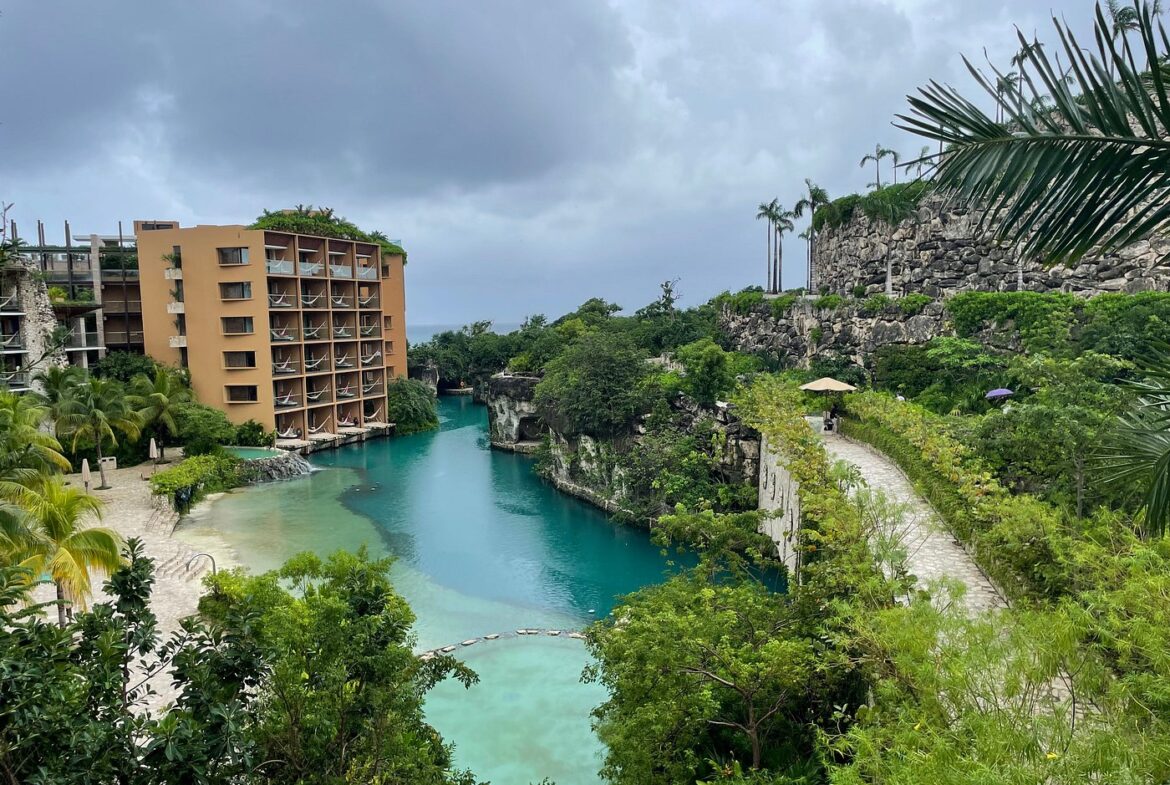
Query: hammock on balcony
point(343, 361)
point(340, 301)
point(278, 300)
point(374, 415)
point(310, 300)
point(314, 363)
point(316, 394)
point(314, 429)
point(281, 334)
point(366, 300)
point(289, 433)
point(284, 400)
point(283, 365)
point(371, 358)
point(346, 422)
point(312, 332)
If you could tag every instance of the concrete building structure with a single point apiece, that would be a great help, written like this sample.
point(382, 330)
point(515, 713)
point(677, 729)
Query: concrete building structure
point(300, 333)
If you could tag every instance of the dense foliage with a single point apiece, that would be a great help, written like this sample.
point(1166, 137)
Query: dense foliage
point(321, 222)
point(188, 481)
point(873, 205)
point(410, 405)
point(596, 387)
point(316, 685)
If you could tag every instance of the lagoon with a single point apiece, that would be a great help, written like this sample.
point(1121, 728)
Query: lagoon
point(481, 546)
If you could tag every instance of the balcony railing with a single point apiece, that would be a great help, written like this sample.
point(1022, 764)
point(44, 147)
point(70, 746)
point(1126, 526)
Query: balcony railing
point(369, 329)
point(313, 300)
point(8, 301)
point(342, 332)
point(83, 341)
point(173, 273)
point(315, 333)
point(14, 380)
point(315, 363)
point(283, 333)
point(11, 343)
point(368, 302)
point(281, 300)
point(122, 336)
point(176, 307)
point(346, 421)
point(279, 266)
point(367, 273)
point(340, 271)
point(346, 392)
point(311, 269)
point(122, 306)
point(314, 396)
point(343, 361)
point(287, 400)
point(177, 341)
point(369, 387)
point(373, 415)
point(286, 366)
point(368, 359)
point(341, 301)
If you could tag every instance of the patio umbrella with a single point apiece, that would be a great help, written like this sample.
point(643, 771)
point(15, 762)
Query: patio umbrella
point(997, 393)
point(85, 473)
point(153, 450)
point(827, 384)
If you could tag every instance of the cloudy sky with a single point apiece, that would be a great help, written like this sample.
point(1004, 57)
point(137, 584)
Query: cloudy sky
point(528, 154)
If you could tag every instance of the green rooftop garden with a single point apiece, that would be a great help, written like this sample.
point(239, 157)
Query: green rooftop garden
point(323, 222)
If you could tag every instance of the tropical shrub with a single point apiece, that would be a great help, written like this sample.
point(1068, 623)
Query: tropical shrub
point(596, 387)
point(914, 303)
point(203, 428)
point(190, 480)
point(252, 434)
point(123, 366)
point(410, 406)
point(828, 302)
point(709, 374)
point(876, 304)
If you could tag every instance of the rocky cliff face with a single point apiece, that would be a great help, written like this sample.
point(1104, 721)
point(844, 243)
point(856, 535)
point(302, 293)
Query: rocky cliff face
point(284, 466)
point(941, 252)
point(589, 468)
point(806, 331)
point(39, 321)
point(512, 419)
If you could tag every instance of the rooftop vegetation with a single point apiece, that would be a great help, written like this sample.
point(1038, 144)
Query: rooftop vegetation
point(323, 222)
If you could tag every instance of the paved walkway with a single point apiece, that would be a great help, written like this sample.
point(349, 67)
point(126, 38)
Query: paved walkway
point(932, 552)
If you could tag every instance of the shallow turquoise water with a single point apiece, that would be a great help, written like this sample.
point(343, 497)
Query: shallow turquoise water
point(482, 546)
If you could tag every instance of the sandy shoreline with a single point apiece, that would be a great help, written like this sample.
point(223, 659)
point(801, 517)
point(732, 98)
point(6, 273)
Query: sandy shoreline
point(131, 510)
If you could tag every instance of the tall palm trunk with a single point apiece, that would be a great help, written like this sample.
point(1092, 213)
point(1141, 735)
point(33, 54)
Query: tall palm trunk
point(101, 466)
point(768, 259)
point(60, 606)
point(779, 263)
point(776, 262)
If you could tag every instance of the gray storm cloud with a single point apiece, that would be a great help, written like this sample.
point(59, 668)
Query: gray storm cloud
point(530, 155)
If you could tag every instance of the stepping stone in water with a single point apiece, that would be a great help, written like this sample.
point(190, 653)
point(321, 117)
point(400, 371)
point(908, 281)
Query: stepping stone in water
point(577, 636)
point(554, 632)
point(448, 649)
point(521, 632)
point(492, 637)
point(470, 642)
point(533, 632)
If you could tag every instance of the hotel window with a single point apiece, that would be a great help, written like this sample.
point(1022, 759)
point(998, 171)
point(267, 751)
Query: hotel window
point(236, 325)
point(235, 291)
point(241, 393)
point(239, 359)
point(232, 256)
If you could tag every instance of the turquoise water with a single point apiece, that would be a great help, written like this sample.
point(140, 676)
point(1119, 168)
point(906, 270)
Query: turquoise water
point(252, 453)
point(482, 546)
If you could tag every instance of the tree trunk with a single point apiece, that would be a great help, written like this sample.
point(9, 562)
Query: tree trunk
point(776, 263)
point(779, 263)
point(101, 466)
point(60, 606)
point(768, 265)
point(877, 174)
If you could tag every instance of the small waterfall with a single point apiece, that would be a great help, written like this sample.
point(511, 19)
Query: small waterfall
point(285, 466)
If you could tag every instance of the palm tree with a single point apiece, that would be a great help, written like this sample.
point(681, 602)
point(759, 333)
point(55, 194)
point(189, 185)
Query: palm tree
point(26, 450)
point(158, 400)
point(891, 207)
point(65, 549)
point(817, 197)
point(920, 162)
point(96, 411)
point(781, 223)
point(897, 159)
point(876, 157)
point(764, 213)
point(1091, 173)
point(56, 383)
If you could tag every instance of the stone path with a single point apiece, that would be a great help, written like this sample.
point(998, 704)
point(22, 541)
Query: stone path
point(495, 636)
point(932, 552)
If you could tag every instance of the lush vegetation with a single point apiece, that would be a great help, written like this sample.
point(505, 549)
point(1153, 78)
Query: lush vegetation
point(191, 479)
point(410, 405)
point(873, 205)
point(322, 222)
point(316, 684)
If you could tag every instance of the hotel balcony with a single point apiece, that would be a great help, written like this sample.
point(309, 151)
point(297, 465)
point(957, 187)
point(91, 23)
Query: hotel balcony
point(173, 273)
point(286, 366)
point(340, 270)
point(314, 296)
point(347, 391)
point(8, 304)
point(316, 331)
point(344, 360)
point(288, 400)
point(319, 393)
point(15, 381)
point(279, 266)
point(177, 341)
point(114, 337)
point(367, 273)
point(371, 358)
point(174, 308)
point(369, 301)
point(281, 299)
point(82, 342)
point(284, 334)
point(310, 269)
point(317, 362)
point(343, 301)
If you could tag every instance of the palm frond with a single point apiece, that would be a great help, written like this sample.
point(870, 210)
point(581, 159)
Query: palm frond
point(1070, 168)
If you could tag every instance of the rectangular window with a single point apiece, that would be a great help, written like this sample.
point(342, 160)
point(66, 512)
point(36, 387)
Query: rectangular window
point(235, 291)
point(239, 359)
point(241, 393)
point(389, 347)
point(236, 325)
point(233, 256)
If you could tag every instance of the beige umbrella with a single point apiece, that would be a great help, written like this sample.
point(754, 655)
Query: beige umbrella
point(827, 384)
point(85, 473)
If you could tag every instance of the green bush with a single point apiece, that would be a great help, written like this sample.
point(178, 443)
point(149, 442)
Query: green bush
point(1042, 320)
point(742, 302)
point(875, 304)
point(913, 304)
point(203, 428)
point(709, 374)
point(840, 211)
point(410, 406)
point(124, 366)
point(783, 304)
point(190, 480)
point(829, 302)
point(252, 434)
point(860, 290)
point(597, 387)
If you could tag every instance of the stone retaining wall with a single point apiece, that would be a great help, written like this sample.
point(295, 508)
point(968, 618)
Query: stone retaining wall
point(941, 252)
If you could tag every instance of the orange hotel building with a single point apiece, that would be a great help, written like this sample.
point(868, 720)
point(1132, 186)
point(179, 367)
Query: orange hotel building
point(297, 332)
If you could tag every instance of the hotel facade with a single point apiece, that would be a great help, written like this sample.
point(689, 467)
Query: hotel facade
point(298, 332)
